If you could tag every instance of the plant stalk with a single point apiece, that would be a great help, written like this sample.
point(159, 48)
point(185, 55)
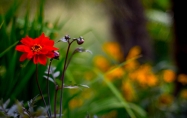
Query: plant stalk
point(56, 90)
point(41, 90)
point(48, 92)
point(62, 78)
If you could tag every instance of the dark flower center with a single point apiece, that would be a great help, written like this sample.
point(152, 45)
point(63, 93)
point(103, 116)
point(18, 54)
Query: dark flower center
point(36, 48)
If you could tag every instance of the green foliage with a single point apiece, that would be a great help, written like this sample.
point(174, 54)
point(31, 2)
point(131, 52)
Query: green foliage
point(15, 77)
point(160, 26)
point(20, 110)
point(87, 93)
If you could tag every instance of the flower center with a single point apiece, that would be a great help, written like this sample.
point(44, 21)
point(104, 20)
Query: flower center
point(36, 48)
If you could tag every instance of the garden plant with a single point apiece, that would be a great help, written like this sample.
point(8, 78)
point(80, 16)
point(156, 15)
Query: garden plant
point(45, 73)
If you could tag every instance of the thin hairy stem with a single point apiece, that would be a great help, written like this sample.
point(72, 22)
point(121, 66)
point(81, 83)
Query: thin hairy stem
point(62, 78)
point(48, 92)
point(41, 90)
point(56, 90)
point(68, 61)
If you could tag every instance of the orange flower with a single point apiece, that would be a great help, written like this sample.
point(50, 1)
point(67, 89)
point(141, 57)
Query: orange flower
point(134, 51)
point(165, 100)
point(152, 80)
point(183, 94)
point(130, 66)
point(113, 49)
point(133, 64)
point(169, 76)
point(182, 78)
point(74, 103)
point(128, 91)
point(102, 63)
point(38, 49)
point(144, 76)
point(115, 73)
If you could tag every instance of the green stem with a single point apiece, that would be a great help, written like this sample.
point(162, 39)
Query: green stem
point(48, 92)
point(56, 90)
point(41, 90)
point(62, 78)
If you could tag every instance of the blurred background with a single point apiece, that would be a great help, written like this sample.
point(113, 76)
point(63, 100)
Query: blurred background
point(137, 68)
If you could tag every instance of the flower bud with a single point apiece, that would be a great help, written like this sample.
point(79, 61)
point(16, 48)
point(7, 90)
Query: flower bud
point(67, 37)
point(80, 40)
point(56, 55)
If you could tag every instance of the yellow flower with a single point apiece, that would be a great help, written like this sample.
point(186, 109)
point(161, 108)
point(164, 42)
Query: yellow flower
point(128, 91)
point(113, 49)
point(169, 76)
point(182, 78)
point(115, 73)
point(102, 63)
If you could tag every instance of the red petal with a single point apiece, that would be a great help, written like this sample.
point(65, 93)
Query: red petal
point(36, 41)
point(47, 42)
point(22, 48)
point(44, 50)
point(30, 55)
point(42, 59)
point(50, 54)
point(51, 48)
point(27, 41)
point(47, 49)
point(35, 59)
point(23, 57)
point(39, 39)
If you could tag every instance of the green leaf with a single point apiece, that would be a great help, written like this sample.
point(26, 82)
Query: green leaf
point(6, 50)
point(2, 115)
point(137, 109)
point(105, 104)
point(1, 24)
point(58, 82)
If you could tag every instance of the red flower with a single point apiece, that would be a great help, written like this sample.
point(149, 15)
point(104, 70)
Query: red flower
point(38, 49)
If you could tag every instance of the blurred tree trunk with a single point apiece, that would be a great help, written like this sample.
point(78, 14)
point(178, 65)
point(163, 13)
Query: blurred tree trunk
point(129, 26)
point(180, 39)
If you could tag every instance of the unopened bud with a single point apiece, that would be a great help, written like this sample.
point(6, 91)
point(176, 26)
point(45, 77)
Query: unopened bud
point(67, 37)
point(56, 55)
point(80, 40)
